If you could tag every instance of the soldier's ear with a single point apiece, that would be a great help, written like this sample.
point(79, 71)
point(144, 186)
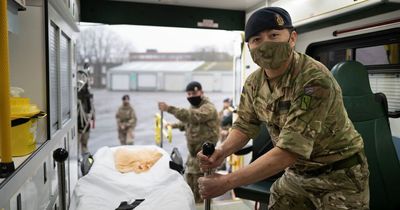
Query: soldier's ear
point(293, 39)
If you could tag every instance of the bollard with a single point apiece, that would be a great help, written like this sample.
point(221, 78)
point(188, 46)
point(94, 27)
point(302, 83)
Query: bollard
point(60, 155)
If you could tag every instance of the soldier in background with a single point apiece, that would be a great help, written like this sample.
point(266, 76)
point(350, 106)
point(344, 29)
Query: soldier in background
point(126, 122)
point(301, 103)
point(200, 122)
point(225, 116)
point(86, 113)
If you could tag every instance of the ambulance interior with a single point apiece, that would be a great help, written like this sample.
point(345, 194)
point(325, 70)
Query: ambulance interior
point(42, 38)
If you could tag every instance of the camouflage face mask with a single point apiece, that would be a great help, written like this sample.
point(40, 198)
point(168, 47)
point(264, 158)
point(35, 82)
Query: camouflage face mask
point(271, 55)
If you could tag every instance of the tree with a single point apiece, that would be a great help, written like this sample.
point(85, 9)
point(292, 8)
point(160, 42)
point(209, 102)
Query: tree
point(102, 45)
point(210, 53)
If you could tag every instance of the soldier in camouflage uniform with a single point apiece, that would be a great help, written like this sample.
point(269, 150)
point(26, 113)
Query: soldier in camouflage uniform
point(200, 123)
point(301, 103)
point(85, 115)
point(126, 122)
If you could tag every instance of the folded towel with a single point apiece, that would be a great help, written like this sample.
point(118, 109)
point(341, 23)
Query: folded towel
point(127, 160)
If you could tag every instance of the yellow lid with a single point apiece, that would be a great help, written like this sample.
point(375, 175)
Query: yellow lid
point(21, 108)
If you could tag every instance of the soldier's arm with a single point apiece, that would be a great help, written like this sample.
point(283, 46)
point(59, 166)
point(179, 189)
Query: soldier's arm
point(247, 121)
point(307, 115)
point(179, 125)
point(202, 114)
point(235, 141)
point(245, 127)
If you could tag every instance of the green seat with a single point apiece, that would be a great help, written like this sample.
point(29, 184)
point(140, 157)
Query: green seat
point(368, 112)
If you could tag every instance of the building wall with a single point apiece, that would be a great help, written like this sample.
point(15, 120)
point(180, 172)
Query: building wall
point(218, 81)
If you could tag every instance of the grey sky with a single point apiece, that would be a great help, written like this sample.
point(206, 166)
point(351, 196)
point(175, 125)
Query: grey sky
point(169, 39)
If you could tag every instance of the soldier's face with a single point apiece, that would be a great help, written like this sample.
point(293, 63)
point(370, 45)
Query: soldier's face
point(226, 105)
point(190, 94)
point(125, 101)
point(283, 35)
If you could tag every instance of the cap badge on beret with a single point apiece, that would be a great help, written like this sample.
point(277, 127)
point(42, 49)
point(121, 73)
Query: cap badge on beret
point(279, 20)
point(196, 88)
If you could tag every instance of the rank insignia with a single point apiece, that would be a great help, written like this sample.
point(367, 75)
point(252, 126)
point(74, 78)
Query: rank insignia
point(279, 20)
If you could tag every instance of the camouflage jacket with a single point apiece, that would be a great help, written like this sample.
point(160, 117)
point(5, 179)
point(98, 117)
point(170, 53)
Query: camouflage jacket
point(126, 115)
point(200, 125)
point(304, 113)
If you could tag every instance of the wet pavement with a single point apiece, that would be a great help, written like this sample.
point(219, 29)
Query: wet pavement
point(145, 104)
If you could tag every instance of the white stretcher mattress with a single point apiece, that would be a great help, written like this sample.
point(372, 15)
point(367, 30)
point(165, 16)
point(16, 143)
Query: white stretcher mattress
point(105, 188)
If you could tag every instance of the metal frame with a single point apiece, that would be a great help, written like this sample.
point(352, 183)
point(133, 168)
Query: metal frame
point(115, 12)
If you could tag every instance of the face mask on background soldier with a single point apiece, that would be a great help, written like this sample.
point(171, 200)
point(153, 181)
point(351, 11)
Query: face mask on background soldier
point(195, 100)
point(271, 55)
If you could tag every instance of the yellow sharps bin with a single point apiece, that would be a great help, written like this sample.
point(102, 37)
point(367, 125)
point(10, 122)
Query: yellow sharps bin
point(24, 117)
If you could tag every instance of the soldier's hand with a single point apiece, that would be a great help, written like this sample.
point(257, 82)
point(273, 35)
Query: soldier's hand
point(214, 161)
point(213, 185)
point(163, 106)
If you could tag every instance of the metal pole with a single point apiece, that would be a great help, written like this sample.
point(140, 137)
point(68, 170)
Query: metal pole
point(208, 149)
point(6, 165)
point(60, 155)
point(162, 128)
point(207, 202)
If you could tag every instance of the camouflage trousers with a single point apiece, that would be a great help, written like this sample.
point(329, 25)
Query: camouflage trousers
point(84, 138)
point(125, 136)
point(191, 179)
point(341, 189)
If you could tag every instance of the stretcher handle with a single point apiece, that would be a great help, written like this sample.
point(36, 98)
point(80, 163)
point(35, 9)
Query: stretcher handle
point(60, 155)
point(208, 150)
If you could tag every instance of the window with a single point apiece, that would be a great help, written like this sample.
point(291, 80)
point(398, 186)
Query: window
point(389, 84)
point(331, 58)
point(378, 55)
point(378, 52)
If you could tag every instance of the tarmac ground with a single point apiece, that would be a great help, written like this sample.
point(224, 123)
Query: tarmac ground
point(106, 104)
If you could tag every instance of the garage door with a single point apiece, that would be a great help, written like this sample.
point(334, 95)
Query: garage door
point(227, 83)
point(147, 81)
point(206, 81)
point(174, 82)
point(120, 82)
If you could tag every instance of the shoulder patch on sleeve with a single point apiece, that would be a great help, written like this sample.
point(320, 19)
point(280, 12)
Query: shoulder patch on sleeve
point(309, 90)
point(305, 102)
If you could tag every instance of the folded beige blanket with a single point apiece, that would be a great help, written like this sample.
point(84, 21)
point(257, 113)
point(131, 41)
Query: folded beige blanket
point(139, 161)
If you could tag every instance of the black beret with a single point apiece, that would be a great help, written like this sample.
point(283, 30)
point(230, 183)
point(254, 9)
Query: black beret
point(125, 97)
point(193, 86)
point(267, 18)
